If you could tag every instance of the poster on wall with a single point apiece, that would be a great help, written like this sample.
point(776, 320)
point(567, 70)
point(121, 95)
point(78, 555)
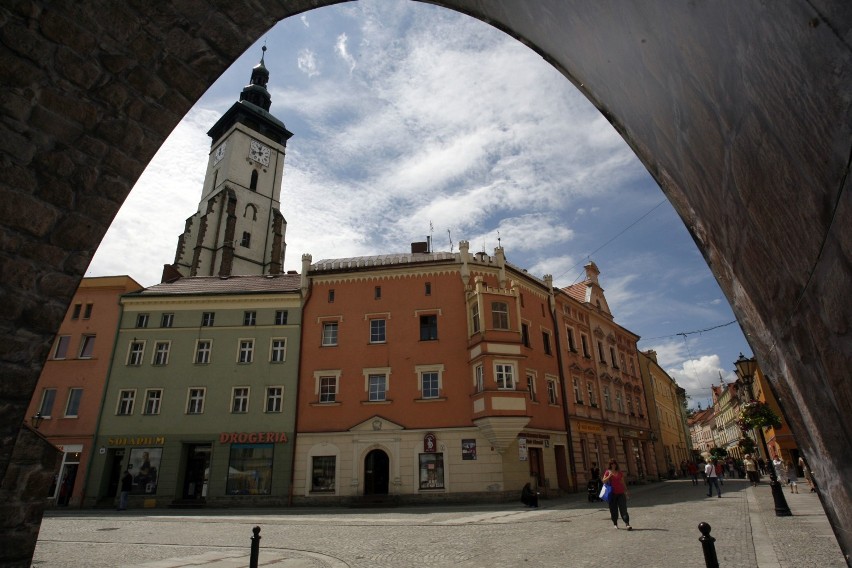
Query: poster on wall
point(468, 449)
point(522, 449)
point(145, 467)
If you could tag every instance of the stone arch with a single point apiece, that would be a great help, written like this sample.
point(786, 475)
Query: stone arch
point(253, 208)
point(743, 121)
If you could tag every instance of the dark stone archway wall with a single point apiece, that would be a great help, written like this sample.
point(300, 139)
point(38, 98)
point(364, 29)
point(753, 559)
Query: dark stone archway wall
point(742, 115)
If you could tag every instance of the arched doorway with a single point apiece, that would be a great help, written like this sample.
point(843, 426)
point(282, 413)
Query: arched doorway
point(376, 473)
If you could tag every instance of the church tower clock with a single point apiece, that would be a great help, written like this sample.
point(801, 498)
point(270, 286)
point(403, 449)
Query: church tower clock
point(239, 228)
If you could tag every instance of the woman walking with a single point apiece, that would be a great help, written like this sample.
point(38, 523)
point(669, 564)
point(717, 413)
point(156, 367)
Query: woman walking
point(618, 497)
point(751, 470)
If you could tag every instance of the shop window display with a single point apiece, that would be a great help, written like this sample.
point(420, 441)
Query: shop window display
point(250, 469)
point(431, 471)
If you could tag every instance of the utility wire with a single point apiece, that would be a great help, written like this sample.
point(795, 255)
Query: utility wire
point(685, 333)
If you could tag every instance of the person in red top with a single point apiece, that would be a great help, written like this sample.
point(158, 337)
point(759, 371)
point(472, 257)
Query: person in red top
point(618, 498)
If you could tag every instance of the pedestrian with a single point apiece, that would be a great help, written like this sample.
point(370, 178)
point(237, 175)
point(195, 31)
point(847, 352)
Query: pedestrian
point(778, 466)
point(618, 497)
point(761, 465)
point(712, 478)
point(693, 471)
point(792, 477)
point(529, 497)
point(806, 471)
point(596, 477)
point(751, 470)
point(126, 486)
point(720, 472)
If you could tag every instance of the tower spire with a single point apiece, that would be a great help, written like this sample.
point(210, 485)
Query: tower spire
point(255, 92)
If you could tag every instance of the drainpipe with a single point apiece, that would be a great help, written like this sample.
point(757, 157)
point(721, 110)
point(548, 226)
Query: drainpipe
point(551, 299)
point(305, 288)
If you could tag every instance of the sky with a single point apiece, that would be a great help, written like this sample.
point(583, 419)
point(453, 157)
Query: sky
point(412, 120)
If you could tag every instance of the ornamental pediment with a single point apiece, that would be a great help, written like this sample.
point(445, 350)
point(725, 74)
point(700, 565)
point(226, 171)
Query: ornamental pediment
point(598, 332)
point(376, 424)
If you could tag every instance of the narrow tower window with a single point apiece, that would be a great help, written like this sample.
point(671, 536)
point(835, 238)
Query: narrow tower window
point(253, 183)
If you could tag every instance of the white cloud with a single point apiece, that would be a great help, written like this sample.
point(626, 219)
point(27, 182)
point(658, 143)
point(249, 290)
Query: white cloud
point(697, 375)
point(343, 52)
point(304, 20)
point(307, 63)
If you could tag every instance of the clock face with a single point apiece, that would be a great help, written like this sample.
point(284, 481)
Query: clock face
point(219, 154)
point(259, 152)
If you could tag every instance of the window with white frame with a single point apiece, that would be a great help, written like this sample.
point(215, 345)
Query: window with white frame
point(161, 353)
point(246, 351)
point(500, 315)
point(195, 400)
point(274, 399)
point(203, 348)
point(167, 320)
point(48, 397)
point(73, 405)
point(431, 380)
point(432, 471)
point(141, 320)
point(619, 401)
point(429, 327)
point(474, 316)
point(207, 319)
point(328, 389)
point(249, 318)
point(378, 328)
point(578, 394)
point(504, 373)
point(281, 317)
point(61, 349)
point(240, 400)
point(531, 386)
point(87, 346)
point(135, 353)
point(323, 474)
point(126, 398)
point(329, 333)
point(377, 387)
point(153, 401)
point(552, 393)
point(590, 389)
point(607, 400)
point(278, 350)
point(479, 378)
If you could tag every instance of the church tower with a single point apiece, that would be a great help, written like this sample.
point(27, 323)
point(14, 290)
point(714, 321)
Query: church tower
point(239, 228)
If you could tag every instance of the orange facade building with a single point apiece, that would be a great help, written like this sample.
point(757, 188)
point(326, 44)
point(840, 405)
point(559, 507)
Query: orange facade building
point(434, 376)
point(67, 400)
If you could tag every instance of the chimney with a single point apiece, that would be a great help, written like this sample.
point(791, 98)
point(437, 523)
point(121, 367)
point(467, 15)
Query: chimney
point(419, 247)
point(651, 354)
point(306, 266)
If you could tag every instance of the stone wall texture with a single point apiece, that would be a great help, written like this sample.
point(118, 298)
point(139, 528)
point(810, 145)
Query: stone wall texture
point(742, 116)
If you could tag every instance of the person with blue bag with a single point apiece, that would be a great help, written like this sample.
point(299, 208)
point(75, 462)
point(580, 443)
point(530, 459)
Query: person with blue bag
point(618, 494)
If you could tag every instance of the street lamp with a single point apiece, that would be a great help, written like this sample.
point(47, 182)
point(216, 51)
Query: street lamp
point(36, 420)
point(745, 371)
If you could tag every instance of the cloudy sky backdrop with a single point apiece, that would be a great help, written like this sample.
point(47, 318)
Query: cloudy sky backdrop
point(406, 114)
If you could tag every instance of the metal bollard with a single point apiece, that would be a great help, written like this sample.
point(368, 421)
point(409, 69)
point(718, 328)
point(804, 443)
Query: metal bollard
point(255, 548)
point(708, 546)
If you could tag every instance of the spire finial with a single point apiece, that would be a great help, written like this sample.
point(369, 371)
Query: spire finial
point(263, 50)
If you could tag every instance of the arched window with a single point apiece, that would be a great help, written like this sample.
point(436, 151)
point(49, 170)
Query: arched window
point(253, 209)
point(253, 184)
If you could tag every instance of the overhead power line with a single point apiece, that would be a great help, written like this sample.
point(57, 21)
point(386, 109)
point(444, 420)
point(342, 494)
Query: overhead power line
point(685, 333)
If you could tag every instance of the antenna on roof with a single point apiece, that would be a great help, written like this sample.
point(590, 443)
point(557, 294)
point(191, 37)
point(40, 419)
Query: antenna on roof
point(431, 231)
point(450, 236)
point(499, 241)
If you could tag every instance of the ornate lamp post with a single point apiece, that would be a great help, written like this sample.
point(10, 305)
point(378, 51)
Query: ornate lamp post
point(745, 370)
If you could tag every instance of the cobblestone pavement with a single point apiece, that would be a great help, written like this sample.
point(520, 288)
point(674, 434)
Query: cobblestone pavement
point(563, 532)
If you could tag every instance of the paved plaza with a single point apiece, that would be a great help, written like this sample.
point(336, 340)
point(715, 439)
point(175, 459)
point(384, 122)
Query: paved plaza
point(567, 532)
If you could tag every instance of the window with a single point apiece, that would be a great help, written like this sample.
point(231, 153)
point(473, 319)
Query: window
point(474, 317)
point(327, 389)
point(612, 357)
point(590, 389)
point(278, 350)
point(239, 400)
point(250, 469)
point(377, 293)
point(630, 405)
point(552, 398)
point(281, 317)
point(585, 343)
point(619, 402)
point(153, 400)
point(545, 338)
point(578, 395)
point(135, 353)
point(76, 313)
point(525, 334)
point(323, 474)
point(207, 319)
point(61, 350)
point(253, 181)
point(195, 401)
point(377, 331)
point(87, 346)
point(87, 313)
point(431, 380)
point(428, 328)
point(607, 401)
point(639, 407)
point(428, 288)
point(202, 351)
point(601, 353)
point(142, 320)
point(432, 471)
point(246, 240)
point(246, 351)
point(377, 385)
point(249, 318)
point(531, 386)
point(274, 399)
point(329, 333)
point(331, 296)
point(167, 320)
point(161, 353)
point(500, 315)
point(505, 375)
point(479, 378)
point(47, 398)
point(126, 398)
point(72, 408)
point(569, 333)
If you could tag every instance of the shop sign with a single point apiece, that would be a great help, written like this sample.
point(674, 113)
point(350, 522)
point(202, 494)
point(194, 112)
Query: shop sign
point(252, 437)
point(430, 443)
point(522, 449)
point(137, 441)
point(641, 434)
point(589, 427)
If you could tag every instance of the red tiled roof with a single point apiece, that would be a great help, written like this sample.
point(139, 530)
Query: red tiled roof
point(577, 291)
point(225, 285)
